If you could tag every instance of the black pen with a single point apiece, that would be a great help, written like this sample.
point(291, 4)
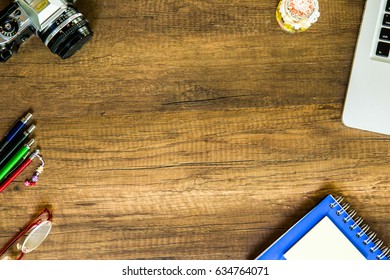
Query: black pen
point(19, 142)
point(14, 130)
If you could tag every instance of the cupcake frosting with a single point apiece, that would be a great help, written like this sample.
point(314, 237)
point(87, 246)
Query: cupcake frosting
point(299, 14)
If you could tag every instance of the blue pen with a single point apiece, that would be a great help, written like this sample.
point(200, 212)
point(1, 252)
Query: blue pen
point(14, 130)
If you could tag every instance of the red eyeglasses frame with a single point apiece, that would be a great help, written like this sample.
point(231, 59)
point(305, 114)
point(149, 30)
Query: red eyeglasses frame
point(44, 216)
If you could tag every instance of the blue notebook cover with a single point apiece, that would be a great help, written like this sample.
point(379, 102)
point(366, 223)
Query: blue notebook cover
point(344, 220)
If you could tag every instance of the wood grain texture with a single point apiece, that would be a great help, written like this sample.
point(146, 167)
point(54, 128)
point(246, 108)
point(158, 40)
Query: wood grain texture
point(190, 130)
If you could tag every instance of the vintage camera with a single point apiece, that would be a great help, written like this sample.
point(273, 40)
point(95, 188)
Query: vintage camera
point(56, 22)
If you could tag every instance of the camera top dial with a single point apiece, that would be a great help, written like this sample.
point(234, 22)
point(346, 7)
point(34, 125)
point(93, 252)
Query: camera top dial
point(9, 27)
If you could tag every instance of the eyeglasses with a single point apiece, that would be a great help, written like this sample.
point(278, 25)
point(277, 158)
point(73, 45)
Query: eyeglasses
point(31, 236)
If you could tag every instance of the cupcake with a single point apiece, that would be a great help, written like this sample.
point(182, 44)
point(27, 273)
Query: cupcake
point(297, 15)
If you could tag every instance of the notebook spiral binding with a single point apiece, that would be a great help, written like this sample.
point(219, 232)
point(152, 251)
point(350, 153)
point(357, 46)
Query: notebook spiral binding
point(370, 236)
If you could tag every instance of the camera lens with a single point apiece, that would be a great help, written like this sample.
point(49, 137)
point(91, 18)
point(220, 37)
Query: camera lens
point(67, 34)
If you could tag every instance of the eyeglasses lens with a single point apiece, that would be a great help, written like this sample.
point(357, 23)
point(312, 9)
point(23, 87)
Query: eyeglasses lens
point(36, 237)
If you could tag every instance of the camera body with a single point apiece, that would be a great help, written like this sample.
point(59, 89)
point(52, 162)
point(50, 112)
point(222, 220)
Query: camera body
point(56, 22)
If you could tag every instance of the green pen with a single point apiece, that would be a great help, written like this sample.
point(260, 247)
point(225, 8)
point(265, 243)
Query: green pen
point(15, 159)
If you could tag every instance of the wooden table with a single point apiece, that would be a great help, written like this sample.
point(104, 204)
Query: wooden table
point(190, 130)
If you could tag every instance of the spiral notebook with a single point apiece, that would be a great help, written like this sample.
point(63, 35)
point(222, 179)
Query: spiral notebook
point(331, 231)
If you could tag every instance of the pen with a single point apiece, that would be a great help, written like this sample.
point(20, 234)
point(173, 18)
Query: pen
point(18, 170)
point(14, 130)
point(19, 142)
point(15, 159)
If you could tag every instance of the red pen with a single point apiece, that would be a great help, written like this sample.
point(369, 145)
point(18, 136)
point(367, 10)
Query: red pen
point(18, 170)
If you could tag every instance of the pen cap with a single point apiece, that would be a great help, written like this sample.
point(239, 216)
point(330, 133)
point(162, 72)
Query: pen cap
point(26, 118)
point(34, 154)
point(30, 143)
point(30, 129)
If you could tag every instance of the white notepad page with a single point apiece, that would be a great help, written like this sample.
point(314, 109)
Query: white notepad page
point(324, 242)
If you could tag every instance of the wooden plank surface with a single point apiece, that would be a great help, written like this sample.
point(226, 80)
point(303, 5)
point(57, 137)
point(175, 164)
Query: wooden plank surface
point(190, 130)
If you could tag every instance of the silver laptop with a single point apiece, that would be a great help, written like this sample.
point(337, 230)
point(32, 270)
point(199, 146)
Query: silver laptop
point(367, 104)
